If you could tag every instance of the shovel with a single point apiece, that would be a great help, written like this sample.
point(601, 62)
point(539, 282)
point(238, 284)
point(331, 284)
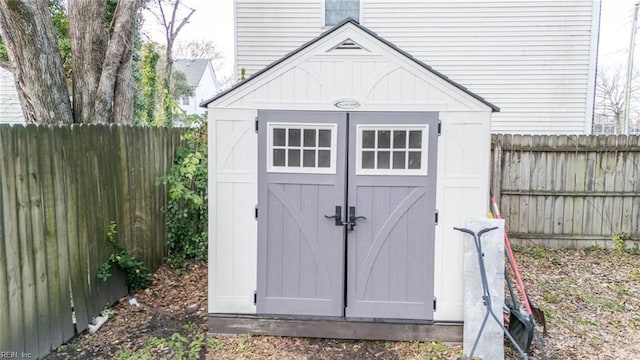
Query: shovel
point(532, 309)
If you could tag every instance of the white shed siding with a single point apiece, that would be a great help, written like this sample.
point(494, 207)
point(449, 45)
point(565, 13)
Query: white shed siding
point(534, 59)
point(233, 195)
point(462, 183)
point(10, 109)
point(313, 80)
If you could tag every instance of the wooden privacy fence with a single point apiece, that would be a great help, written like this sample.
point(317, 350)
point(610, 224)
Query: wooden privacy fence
point(60, 187)
point(568, 191)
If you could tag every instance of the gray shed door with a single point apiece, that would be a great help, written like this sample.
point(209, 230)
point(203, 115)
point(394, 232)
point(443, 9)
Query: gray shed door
point(374, 171)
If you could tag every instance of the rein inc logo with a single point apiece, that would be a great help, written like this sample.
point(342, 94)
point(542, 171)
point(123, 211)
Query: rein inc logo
point(15, 355)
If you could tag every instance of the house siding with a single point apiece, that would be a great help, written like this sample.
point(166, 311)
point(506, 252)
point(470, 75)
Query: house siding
point(10, 109)
point(202, 78)
point(534, 59)
point(207, 87)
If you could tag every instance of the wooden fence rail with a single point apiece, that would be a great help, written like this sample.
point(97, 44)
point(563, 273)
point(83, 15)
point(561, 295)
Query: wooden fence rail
point(568, 191)
point(60, 187)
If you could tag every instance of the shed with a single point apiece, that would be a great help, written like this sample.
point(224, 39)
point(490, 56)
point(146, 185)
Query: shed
point(336, 175)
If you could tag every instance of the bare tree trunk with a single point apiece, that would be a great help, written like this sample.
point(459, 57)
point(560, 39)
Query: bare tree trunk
point(171, 30)
point(117, 56)
point(102, 71)
point(88, 43)
point(123, 109)
point(29, 35)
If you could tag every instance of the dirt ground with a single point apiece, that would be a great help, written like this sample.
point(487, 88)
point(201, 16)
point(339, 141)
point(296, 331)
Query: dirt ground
point(591, 299)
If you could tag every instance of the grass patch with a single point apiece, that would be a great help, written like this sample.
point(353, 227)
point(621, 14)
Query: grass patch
point(634, 275)
point(540, 253)
point(613, 305)
point(551, 298)
point(591, 248)
point(176, 346)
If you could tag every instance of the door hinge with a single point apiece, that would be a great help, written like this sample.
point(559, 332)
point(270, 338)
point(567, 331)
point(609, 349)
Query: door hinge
point(255, 297)
point(439, 127)
point(436, 217)
point(435, 303)
point(256, 212)
point(256, 124)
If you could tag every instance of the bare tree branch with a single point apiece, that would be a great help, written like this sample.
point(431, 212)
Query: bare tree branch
point(203, 49)
point(610, 93)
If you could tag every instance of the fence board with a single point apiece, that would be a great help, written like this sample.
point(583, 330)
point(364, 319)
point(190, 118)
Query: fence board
point(12, 243)
point(27, 258)
point(60, 187)
point(568, 190)
point(62, 234)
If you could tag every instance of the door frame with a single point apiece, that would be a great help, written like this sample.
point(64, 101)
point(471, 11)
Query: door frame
point(345, 160)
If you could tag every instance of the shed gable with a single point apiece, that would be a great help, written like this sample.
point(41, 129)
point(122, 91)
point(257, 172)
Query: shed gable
point(350, 63)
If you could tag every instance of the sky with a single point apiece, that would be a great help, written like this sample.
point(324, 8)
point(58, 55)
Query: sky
point(213, 20)
point(616, 21)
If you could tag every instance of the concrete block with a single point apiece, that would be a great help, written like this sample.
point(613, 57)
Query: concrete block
point(490, 345)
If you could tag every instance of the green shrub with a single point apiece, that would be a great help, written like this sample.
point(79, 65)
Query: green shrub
point(186, 210)
point(619, 242)
point(138, 275)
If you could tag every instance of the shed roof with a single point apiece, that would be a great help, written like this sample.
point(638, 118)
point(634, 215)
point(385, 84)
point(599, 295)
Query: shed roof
point(367, 31)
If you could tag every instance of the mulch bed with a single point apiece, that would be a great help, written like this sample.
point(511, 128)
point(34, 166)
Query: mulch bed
point(591, 298)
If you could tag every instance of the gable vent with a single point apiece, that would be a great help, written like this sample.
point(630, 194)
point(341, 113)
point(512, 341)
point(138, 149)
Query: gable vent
point(348, 44)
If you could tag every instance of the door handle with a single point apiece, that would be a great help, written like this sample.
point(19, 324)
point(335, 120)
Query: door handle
point(353, 217)
point(337, 216)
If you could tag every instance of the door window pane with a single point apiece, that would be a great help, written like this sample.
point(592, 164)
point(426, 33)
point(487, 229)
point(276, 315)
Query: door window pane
point(415, 158)
point(367, 159)
point(415, 139)
point(398, 160)
point(294, 137)
point(324, 138)
point(383, 159)
point(294, 158)
point(399, 139)
point(309, 137)
point(278, 157)
point(278, 137)
point(324, 158)
point(309, 158)
point(384, 139)
point(368, 139)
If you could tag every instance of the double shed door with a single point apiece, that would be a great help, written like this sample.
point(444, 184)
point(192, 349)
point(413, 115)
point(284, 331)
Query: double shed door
point(346, 214)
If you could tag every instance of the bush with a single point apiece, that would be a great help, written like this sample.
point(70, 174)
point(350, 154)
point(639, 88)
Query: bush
point(186, 210)
point(619, 242)
point(138, 275)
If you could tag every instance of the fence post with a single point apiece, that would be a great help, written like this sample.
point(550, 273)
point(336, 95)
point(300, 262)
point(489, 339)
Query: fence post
point(496, 180)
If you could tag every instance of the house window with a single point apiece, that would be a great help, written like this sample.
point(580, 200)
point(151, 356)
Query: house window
point(301, 148)
point(185, 100)
point(338, 10)
point(392, 150)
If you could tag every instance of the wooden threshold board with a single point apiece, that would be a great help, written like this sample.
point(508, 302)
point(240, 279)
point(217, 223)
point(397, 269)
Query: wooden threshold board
point(220, 324)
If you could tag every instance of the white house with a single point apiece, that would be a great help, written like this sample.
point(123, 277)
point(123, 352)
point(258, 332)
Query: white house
point(10, 109)
point(202, 78)
point(535, 59)
point(336, 176)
